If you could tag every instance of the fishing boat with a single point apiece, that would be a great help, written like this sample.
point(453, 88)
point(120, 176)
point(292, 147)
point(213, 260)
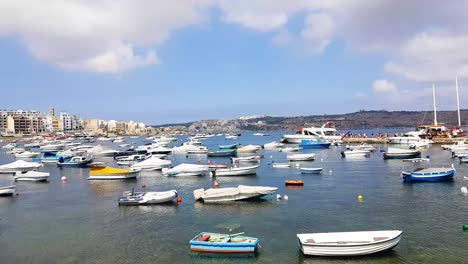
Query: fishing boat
point(7, 190)
point(311, 170)
point(143, 198)
point(396, 153)
point(326, 132)
point(19, 165)
point(152, 163)
point(230, 146)
point(31, 176)
point(110, 173)
point(185, 169)
point(222, 153)
point(294, 182)
point(429, 174)
point(280, 165)
point(206, 242)
point(355, 153)
point(249, 149)
point(236, 171)
point(314, 144)
point(76, 161)
point(27, 154)
point(301, 157)
point(348, 243)
point(242, 192)
point(273, 145)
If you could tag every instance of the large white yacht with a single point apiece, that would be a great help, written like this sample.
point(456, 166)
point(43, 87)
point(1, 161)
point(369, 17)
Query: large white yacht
point(326, 132)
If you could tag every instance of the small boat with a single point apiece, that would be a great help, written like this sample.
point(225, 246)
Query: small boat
point(429, 174)
point(9, 146)
point(185, 169)
point(19, 165)
point(314, 144)
point(206, 242)
point(294, 182)
point(290, 149)
point(76, 161)
point(362, 146)
point(242, 192)
point(261, 134)
point(160, 150)
point(31, 176)
point(110, 173)
point(301, 157)
point(214, 165)
point(273, 145)
point(311, 170)
point(416, 160)
point(7, 190)
point(281, 165)
point(396, 153)
point(222, 153)
point(152, 163)
point(236, 171)
point(52, 157)
point(32, 145)
point(27, 154)
point(249, 149)
point(58, 146)
point(16, 150)
point(198, 150)
point(231, 137)
point(107, 153)
point(355, 153)
point(348, 243)
point(230, 146)
point(129, 160)
point(143, 198)
point(464, 159)
point(248, 159)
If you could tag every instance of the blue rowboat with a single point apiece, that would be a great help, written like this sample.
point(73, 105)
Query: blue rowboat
point(231, 146)
point(222, 153)
point(429, 174)
point(314, 144)
point(206, 242)
point(311, 170)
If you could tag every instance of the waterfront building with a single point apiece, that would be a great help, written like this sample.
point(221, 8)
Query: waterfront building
point(68, 122)
point(20, 124)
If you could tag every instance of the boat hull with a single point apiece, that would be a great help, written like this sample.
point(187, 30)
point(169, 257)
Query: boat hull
point(223, 247)
point(311, 170)
point(159, 198)
point(113, 177)
point(401, 155)
point(428, 177)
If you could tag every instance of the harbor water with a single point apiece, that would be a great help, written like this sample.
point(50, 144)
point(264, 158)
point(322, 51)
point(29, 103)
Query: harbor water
point(80, 221)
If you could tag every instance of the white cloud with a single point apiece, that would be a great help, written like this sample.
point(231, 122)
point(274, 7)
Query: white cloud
point(383, 86)
point(283, 38)
point(318, 32)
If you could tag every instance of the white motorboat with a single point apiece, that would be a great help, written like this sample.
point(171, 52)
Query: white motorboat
point(142, 198)
point(355, 153)
point(16, 150)
point(59, 146)
point(248, 159)
point(249, 149)
point(160, 150)
point(281, 165)
point(9, 146)
point(27, 154)
point(31, 176)
point(242, 192)
point(152, 163)
point(290, 149)
point(185, 169)
point(458, 146)
point(273, 145)
point(19, 165)
point(7, 190)
point(261, 134)
point(348, 243)
point(198, 150)
point(301, 157)
point(410, 138)
point(186, 146)
point(129, 160)
point(363, 146)
point(326, 132)
point(236, 171)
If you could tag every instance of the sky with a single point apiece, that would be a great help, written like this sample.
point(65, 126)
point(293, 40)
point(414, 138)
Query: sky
point(177, 61)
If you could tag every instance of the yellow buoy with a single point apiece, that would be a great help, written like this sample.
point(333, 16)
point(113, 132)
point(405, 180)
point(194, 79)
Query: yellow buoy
point(360, 198)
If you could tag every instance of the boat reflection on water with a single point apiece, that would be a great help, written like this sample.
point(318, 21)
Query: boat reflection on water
point(235, 207)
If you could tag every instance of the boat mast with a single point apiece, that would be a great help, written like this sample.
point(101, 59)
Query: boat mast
point(458, 101)
point(433, 99)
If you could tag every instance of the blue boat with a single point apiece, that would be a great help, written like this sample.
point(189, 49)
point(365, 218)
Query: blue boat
point(77, 161)
point(311, 170)
point(429, 174)
point(395, 153)
point(231, 146)
point(52, 157)
point(223, 243)
point(222, 153)
point(314, 144)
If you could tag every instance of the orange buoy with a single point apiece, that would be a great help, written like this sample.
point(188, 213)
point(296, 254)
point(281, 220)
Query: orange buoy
point(294, 182)
point(216, 184)
point(143, 186)
point(179, 200)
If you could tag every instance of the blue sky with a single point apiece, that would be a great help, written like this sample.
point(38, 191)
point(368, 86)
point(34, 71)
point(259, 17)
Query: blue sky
point(216, 59)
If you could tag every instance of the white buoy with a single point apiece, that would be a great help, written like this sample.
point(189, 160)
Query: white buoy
point(278, 197)
point(285, 197)
point(330, 171)
point(63, 179)
point(271, 157)
point(464, 190)
point(298, 165)
point(321, 159)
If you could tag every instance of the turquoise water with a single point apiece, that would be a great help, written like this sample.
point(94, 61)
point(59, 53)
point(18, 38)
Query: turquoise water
point(80, 221)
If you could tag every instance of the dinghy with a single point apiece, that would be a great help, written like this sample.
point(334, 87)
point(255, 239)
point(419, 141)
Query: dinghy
point(7, 190)
point(355, 153)
point(142, 198)
point(236, 171)
point(185, 169)
point(110, 173)
point(301, 157)
point(242, 192)
point(152, 163)
point(206, 242)
point(31, 176)
point(311, 170)
point(248, 159)
point(281, 165)
point(294, 182)
point(348, 243)
point(19, 165)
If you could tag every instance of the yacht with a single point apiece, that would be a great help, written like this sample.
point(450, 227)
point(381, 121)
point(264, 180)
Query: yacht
point(326, 132)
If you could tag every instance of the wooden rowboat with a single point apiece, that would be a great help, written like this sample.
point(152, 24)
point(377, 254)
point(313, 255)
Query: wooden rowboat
point(294, 182)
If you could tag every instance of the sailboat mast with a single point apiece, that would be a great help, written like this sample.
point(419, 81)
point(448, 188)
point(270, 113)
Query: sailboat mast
point(433, 99)
point(458, 101)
